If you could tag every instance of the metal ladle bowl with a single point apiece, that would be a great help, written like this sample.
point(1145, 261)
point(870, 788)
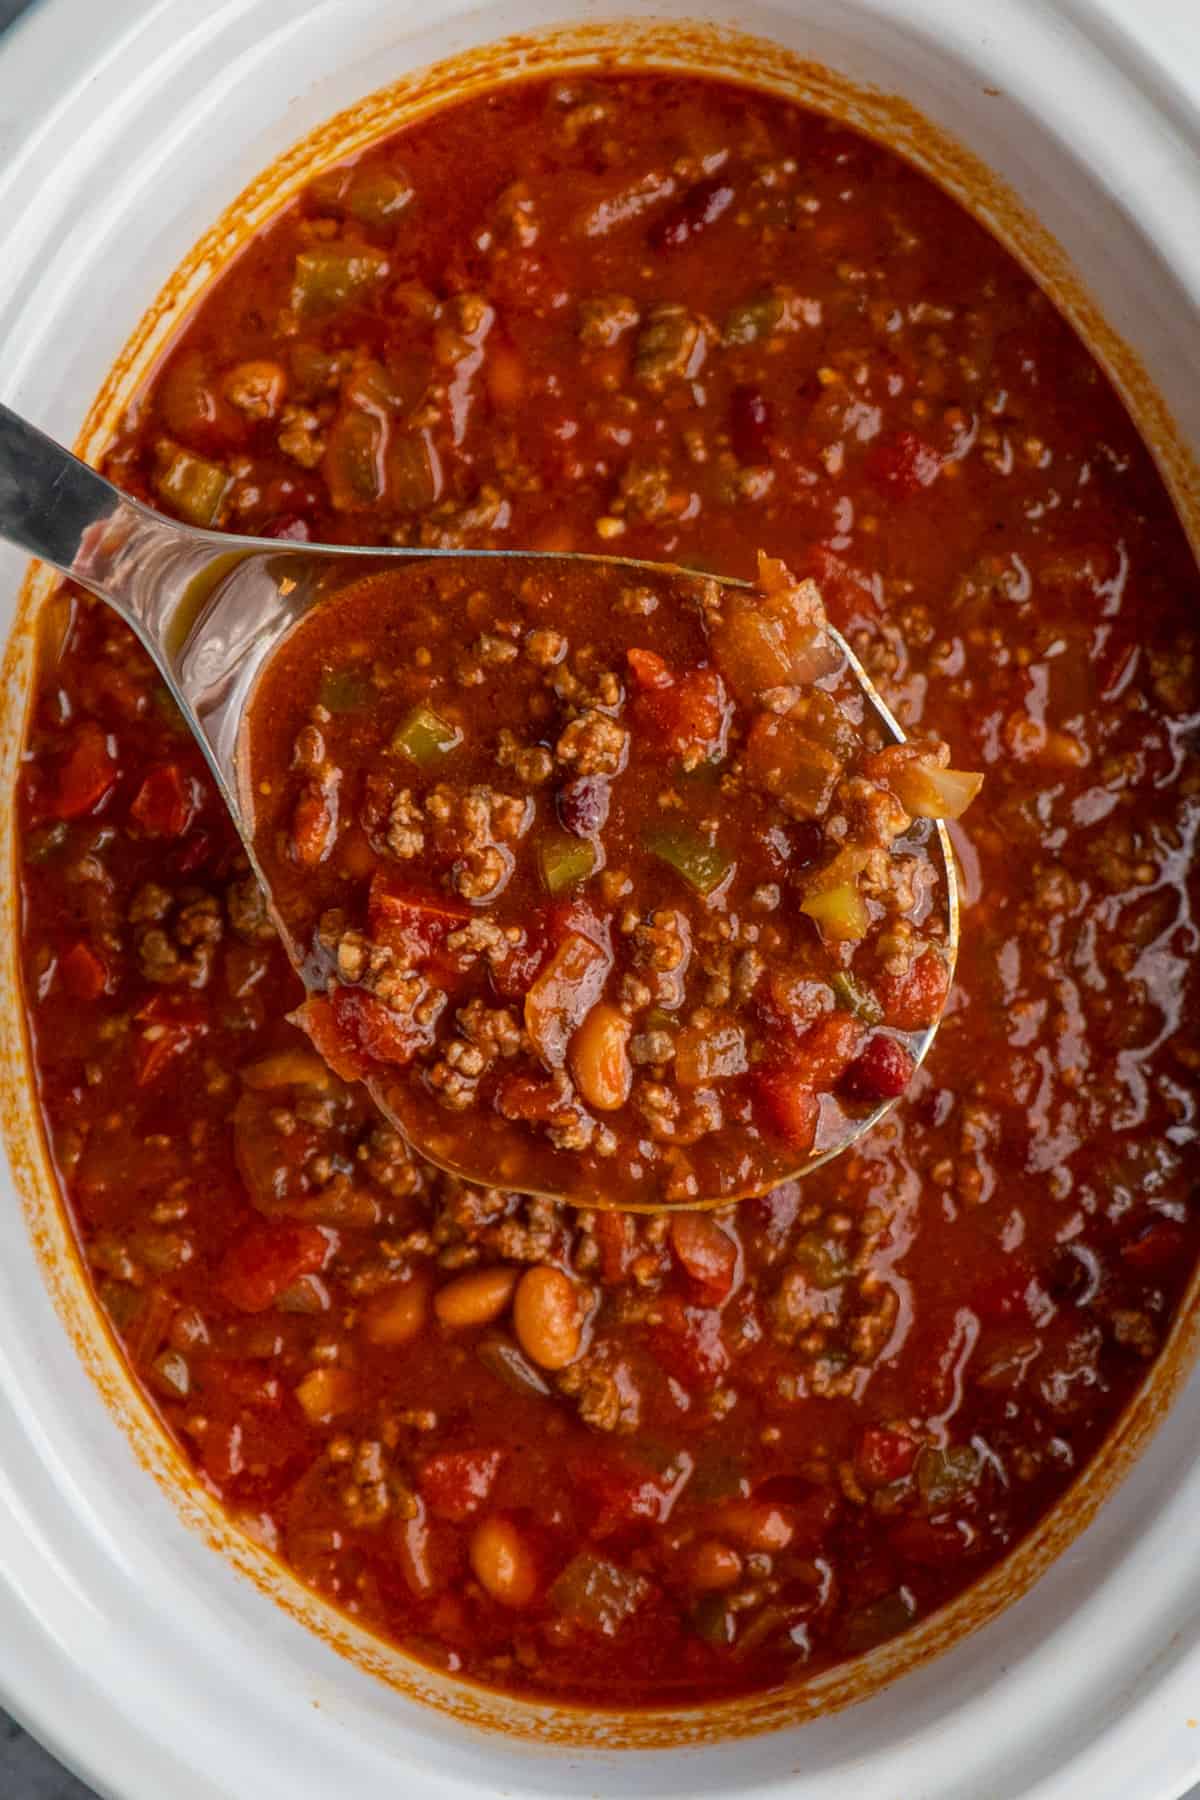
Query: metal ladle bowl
point(210, 608)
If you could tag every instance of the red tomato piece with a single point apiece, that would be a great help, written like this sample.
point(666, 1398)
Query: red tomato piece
point(414, 925)
point(911, 1002)
point(688, 1342)
point(881, 1071)
point(706, 1253)
point(83, 974)
point(172, 1023)
point(165, 804)
point(884, 1456)
point(316, 1017)
point(614, 1494)
point(851, 596)
point(827, 1049)
point(456, 1483)
point(372, 1029)
point(786, 1106)
point(268, 1260)
point(902, 465)
point(691, 714)
point(86, 776)
point(513, 978)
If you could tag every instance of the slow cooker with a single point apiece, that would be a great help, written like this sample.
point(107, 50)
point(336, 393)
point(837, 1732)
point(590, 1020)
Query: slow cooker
point(147, 1644)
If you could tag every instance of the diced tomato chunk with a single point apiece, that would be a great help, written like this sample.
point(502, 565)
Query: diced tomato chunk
point(166, 802)
point(884, 1456)
point(881, 1071)
point(513, 977)
point(268, 1260)
point(414, 925)
point(851, 596)
point(86, 776)
point(373, 1029)
point(456, 1483)
point(902, 465)
point(688, 1343)
point(912, 1001)
point(83, 974)
point(706, 1253)
point(786, 1105)
point(316, 1017)
point(827, 1049)
point(534, 1098)
point(689, 714)
point(171, 1024)
point(615, 1494)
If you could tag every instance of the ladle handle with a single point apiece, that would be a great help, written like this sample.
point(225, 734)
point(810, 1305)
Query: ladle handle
point(49, 500)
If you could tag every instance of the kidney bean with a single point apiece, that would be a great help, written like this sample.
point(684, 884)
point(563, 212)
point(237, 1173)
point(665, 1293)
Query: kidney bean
point(699, 208)
point(751, 422)
point(583, 805)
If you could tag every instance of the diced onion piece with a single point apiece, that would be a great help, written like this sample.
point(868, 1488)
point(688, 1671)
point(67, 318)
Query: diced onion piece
point(424, 737)
point(930, 792)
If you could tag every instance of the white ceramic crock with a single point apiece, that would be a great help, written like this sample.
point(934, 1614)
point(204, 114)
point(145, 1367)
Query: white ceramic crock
point(127, 1641)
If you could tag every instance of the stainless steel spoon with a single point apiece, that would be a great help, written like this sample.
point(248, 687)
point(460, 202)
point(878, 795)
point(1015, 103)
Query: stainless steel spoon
point(210, 607)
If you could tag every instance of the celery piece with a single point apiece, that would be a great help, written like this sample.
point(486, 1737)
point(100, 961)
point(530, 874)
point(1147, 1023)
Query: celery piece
point(701, 864)
point(840, 912)
point(855, 997)
point(425, 738)
point(565, 860)
point(328, 276)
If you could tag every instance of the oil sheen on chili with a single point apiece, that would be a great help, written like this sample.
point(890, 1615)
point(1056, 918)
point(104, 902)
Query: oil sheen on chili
point(607, 1456)
point(507, 810)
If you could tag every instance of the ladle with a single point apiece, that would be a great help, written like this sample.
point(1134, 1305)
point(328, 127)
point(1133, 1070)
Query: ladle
point(210, 608)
